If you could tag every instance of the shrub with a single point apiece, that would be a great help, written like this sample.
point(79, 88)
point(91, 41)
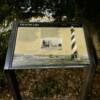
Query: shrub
point(3, 48)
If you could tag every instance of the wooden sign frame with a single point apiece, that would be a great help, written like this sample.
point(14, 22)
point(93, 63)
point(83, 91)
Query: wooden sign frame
point(12, 44)
point(10, 71)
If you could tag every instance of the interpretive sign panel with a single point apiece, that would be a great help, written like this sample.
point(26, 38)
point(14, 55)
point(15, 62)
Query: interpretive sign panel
point(41, 46)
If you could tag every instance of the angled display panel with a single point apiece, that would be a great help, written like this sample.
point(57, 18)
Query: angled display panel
point(48, 46)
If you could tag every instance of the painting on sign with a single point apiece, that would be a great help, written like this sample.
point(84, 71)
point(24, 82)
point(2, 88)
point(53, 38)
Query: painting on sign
point(51, 43)
point(39, 46)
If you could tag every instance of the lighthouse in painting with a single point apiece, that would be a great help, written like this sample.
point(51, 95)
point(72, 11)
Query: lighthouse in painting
point(74, 53)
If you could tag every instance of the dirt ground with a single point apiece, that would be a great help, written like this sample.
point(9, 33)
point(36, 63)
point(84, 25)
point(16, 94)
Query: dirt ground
point(49, 84)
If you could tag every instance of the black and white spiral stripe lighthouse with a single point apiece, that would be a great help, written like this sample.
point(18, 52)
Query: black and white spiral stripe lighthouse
point(74, 53)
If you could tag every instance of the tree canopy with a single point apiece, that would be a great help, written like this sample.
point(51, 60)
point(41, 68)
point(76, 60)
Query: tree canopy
point(90, 9)
point(23, 9)
point(26, 8)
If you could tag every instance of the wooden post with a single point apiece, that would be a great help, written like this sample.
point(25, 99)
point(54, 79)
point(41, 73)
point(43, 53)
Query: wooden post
point(12, 81)
point(88, 83)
